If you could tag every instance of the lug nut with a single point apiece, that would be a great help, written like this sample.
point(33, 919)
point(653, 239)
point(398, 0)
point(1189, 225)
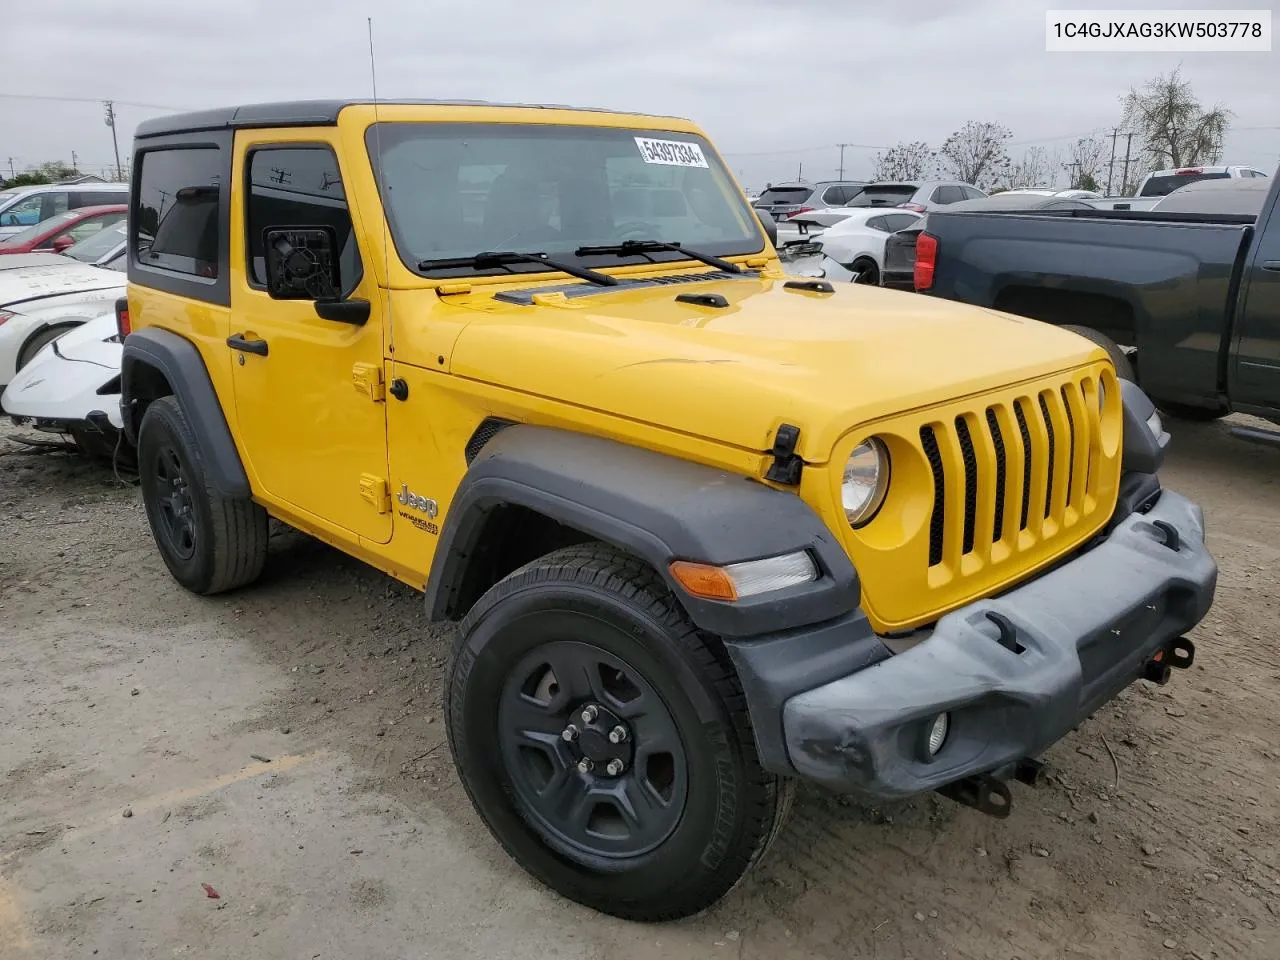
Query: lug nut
point(615, 767)
point(589, 713)
point(585, 765)
point(570, 734)
point(618, 734)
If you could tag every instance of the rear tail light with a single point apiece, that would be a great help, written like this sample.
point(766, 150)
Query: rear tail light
point(796, 213)
point(6, 315)
point(122, 317)
point(917, 207)
point(926, 261)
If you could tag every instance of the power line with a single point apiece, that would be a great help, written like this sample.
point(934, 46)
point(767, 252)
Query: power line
point(123, 103)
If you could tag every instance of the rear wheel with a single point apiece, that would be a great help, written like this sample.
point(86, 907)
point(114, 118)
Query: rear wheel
point(209, 543)
point(864, 270)
point(605, 742)
point(1124, 367)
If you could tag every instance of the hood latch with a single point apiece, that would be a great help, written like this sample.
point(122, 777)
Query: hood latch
point(786, 464)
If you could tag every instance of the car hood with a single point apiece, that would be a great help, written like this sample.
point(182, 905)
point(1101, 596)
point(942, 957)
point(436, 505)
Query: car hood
point(825, 362)
point(29, 277)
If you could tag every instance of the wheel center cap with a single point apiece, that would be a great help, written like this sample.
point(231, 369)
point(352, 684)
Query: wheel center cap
point(595, 745)
point(600, 740)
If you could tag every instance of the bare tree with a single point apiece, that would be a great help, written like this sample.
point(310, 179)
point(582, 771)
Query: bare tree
point(976, 153)
point(1171, 124)
point(1088, 158)
point(905, 161)
point(1035, 169)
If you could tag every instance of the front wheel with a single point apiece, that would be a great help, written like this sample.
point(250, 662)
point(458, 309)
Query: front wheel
point(605, 742)
point(864, 270)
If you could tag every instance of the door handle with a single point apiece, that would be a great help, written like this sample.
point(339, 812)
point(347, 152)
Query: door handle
point(237, 342)
point(1272, 265)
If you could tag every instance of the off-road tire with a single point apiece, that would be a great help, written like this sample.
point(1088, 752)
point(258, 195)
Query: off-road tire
point(733, 809)
point(1124, 367)
point(228, 537)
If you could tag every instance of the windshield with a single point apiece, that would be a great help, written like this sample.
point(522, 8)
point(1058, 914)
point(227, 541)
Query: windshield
point(1163, 186)
point(39, 230)
point(456, 190)
point(99, 244)
point(883, 195)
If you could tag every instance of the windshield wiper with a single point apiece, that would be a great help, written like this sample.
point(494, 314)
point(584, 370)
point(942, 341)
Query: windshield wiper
point(504, 258)
point(641, 247)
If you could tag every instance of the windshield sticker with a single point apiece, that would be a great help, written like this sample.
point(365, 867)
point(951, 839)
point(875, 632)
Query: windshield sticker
point(671, 153)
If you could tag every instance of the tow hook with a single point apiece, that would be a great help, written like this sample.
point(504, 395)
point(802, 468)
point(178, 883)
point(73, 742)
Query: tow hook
point(1179, 654)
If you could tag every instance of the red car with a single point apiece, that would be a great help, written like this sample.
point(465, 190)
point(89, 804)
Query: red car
point(59, 232)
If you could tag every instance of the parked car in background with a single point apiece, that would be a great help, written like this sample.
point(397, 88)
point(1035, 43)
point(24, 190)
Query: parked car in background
point(900, 248)
point(1186, 302)
point(42, 296)
point(917, 195)
point(1236, 196)
point(72, 387)
point(782, 200)
point(26, 206)
point(106, 248)
point(852, 250)
point(1045, 192)
point(64, 230)
point(1163, 182)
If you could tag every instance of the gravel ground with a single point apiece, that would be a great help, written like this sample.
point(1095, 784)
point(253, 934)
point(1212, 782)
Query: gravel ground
point(283, 746)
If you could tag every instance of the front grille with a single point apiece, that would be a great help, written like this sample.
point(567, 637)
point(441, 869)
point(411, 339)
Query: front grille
point(1013, 473)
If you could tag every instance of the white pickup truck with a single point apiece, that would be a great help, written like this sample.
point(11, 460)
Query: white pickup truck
point(42, 296)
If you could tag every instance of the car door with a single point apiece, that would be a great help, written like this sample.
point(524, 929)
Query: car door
point(1256, 382)
point(309, 398)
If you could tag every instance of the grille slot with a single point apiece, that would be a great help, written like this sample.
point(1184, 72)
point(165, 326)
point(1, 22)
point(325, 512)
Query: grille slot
point(970, 483)
point(937, 522)
point(1039, 452)
point(488, 429)
point(997, 441)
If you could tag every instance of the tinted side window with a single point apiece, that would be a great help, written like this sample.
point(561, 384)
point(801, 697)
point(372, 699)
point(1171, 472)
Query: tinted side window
point(176, 210)
point(973, 193)
point(54, 204)
point(836, 196)
point(900, 221)
point(298, 187)
point(948, 195)
point(879, 223)
point(102, 199)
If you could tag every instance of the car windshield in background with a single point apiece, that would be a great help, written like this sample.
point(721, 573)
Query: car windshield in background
point(1163, 186)
point(883, 195)
point(98, 245)
point(41, 228)
point(452, 191)
point(784, 195)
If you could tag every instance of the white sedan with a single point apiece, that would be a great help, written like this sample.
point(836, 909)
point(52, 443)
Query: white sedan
point(42, 296)
point(852, 249)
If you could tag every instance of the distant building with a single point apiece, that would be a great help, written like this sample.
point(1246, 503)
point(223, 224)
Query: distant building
point(84, 178)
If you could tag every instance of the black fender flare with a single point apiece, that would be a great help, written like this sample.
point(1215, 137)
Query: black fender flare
point(656, 507)
point(178, 360)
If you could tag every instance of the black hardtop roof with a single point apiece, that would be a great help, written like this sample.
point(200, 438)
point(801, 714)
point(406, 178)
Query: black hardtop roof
point(304, 113)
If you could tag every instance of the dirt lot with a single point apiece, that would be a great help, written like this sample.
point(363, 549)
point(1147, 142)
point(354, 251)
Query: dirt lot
point(284, 746)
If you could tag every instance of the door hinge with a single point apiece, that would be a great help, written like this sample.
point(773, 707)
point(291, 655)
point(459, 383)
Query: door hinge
point(367, 378)
point(374, 490)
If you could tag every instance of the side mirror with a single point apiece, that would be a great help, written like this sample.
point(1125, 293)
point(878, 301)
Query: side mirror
point(62, 242)
point(301, 264)
point(770, 226)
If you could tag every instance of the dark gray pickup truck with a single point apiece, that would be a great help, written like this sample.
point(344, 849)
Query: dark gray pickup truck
point(1188, 304)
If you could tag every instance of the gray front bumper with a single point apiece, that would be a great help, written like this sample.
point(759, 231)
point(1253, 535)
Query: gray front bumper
point(1087, 629)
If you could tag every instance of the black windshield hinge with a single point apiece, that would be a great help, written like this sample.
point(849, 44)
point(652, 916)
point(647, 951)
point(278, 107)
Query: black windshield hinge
point(786, 464)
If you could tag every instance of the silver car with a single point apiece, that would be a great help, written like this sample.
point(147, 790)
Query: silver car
point(918, 195)
point(782, 200)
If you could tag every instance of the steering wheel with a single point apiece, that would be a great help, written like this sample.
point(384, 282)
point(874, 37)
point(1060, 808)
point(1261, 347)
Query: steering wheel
point(637, 230)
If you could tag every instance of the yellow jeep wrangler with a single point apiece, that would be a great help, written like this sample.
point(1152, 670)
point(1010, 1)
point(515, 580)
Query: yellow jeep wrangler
point(707, 529)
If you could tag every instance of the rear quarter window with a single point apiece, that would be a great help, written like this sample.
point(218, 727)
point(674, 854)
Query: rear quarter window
point(176, 211)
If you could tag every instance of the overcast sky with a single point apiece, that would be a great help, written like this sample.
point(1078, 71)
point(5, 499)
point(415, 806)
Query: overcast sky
point(774, 82)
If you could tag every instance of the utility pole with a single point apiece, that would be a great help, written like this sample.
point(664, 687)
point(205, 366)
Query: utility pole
point(110, 121)
point(800, 173)
point(1124, 185)
point(1111, 166)
point(1074, 167)
point(12, 173)
point(842, 146)
point(74, 164)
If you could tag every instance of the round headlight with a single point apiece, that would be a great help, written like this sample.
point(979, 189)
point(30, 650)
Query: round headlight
point(866, 481)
